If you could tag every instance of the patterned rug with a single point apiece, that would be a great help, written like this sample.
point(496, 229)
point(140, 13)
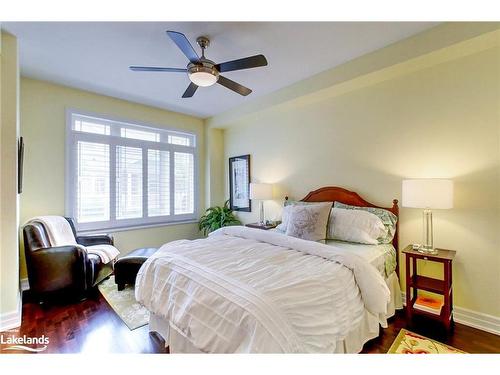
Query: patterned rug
point(124, 304)
point(410, 343)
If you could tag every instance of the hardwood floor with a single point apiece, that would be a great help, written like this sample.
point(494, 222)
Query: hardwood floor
point(91, 326)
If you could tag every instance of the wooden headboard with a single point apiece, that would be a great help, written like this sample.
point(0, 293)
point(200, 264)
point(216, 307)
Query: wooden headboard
point(338, 194)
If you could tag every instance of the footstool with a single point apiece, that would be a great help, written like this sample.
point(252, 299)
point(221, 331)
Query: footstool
point(126, 268)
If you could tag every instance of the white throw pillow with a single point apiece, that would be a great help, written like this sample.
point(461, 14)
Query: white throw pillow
point(355, 226)
point(285, 216)
point(309, 222)
point(287, 209)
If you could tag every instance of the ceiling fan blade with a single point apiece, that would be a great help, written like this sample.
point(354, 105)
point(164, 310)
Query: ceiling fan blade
point(244, 63)
point(236, 87)
point(190, 90)
point(156, 69)
point(183, 43)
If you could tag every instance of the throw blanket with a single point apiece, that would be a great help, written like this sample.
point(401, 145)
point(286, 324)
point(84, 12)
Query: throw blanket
point(60, 234)
point(252, 291)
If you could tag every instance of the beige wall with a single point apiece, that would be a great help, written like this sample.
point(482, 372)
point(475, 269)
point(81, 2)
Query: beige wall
point(9, 130)
point(436, 116)
point(43, 125)
point(214, 167)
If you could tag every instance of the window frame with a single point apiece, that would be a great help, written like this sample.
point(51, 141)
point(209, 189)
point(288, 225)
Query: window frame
point(114, 224)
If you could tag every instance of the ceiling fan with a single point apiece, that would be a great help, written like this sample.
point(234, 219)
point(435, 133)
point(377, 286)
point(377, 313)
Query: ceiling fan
point(202, 71)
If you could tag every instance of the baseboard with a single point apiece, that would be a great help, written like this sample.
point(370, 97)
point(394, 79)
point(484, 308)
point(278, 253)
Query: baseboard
point(474, 319)
point(25, 284)
point(485, 322)
point(12, 319)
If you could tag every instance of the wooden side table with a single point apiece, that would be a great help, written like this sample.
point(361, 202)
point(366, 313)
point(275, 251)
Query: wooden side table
point(414, 282)
point(259, 226)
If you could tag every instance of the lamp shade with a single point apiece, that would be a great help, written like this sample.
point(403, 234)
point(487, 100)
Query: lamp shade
point(428, 193)
point(261, 191)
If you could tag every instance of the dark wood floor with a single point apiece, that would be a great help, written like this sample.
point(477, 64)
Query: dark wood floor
point(91, 326)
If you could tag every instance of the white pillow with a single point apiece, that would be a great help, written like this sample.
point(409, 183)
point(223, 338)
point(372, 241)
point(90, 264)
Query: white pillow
point(285, 214)
point(355, 226)
point(309, 222)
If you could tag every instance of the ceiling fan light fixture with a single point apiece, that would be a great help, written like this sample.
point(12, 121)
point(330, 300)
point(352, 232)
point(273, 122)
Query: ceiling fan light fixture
point(203, 76)
point(202, 71)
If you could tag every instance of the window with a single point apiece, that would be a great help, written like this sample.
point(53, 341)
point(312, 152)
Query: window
point(121, 174)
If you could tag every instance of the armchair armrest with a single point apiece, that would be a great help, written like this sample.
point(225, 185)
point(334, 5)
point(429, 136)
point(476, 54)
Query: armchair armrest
point(54, 268)
point(95, 239)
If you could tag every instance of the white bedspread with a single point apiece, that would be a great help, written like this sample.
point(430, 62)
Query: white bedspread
point(252, 291)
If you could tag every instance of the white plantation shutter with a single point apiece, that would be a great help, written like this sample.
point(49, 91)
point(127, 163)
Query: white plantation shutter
point(128, 182)
point(158, 183)
point(92, 182)
point(184, 183)
point(121, 174)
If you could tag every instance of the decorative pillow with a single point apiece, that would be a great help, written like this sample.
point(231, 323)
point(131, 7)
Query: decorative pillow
point(355, 226)
point(309, 221)
point(388, 219)
point(285, 215)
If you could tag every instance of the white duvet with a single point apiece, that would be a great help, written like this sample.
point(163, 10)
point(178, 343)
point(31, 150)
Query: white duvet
point(253, 291)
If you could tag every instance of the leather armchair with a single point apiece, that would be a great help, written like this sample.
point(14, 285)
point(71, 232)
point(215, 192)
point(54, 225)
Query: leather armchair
point(62, 268)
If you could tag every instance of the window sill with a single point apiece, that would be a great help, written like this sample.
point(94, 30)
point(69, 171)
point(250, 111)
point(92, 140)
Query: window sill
point(135, 227)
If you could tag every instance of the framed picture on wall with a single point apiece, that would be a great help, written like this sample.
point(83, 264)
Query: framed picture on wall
point(239, 183)
point(20, 162)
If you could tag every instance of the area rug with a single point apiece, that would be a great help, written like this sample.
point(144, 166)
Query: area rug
point(408, 342)
point(124, 304)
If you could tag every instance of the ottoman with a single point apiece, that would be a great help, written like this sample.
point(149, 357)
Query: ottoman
point(126, 268)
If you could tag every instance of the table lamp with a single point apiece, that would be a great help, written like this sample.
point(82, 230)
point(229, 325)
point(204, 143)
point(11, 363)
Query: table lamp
point(428, 194)
point(261, 192)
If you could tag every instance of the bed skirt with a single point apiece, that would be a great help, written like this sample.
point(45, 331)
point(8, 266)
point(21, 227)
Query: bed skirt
point(352, 343)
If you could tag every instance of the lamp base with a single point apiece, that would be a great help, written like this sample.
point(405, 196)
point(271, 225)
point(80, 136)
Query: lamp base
point(425, 250)
point(428, 245)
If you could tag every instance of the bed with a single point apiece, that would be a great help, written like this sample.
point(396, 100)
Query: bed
point(245, 290)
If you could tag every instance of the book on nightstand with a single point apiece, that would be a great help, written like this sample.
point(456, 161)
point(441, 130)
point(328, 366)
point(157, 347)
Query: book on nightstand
point(428, 304)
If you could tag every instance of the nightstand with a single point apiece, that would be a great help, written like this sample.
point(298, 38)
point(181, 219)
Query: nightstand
point(415, 282)
point(259, 226)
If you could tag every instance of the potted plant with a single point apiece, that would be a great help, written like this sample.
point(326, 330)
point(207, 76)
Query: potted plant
point(217, 217)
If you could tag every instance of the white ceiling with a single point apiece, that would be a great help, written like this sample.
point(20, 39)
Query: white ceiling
point(95, 56)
